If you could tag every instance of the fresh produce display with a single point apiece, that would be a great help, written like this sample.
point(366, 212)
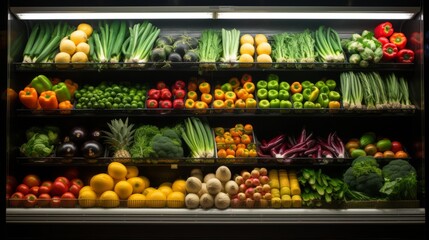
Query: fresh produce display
point(162, 97)
point(369, 144)
point(107, 41)
point(119, 139)
point(40, 141)
point(286, 149)
point(32, 192)
point(285, 189)
point(363, 49)
point(43, 42)
point(235, 94)
point(137, 47)
point(111, 95)
point(273, 93)
point(75, 48)
point(294, 48)
point(237, 141)
point(370, 91)
point(328, 45)
point(199, 95)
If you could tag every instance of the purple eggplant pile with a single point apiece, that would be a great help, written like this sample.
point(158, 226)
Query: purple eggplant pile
point(286, 148)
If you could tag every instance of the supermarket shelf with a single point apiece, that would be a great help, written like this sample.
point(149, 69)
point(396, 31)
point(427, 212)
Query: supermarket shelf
point(228, 216)
point(210, 66)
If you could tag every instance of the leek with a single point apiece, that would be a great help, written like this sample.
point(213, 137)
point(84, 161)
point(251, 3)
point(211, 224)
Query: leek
point(210, 47)
point(199, 137)
point(230, 45)
point(138, 45)
point(405, 100)
point(328, 45)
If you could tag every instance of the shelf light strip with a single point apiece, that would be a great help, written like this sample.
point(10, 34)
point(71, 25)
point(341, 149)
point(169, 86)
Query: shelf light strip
point(213, 15)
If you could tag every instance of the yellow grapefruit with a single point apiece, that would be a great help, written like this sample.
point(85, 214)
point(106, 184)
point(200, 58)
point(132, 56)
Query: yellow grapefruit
point(117, 170)
point(83, 47)
point(148, 190)
point(265, 59)
point(176, 200)
point(179, 186)
point(101, 182)
point(67, 46)
point(62, 57)
point(87, 198)
point(245, 60)
point(146, 180)
point(247, 48)
point(165, 189)
point(260, 38)
point(247, 38)
point(156, 199)
point(132, 171)
point(85, 188)
point(137, 183)
point(109, 199)
point(78, 36)
point(123, 189)
point(136, 200)
point(263, 48)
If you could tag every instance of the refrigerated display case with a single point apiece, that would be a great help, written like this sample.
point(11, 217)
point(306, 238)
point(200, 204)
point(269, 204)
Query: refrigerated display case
point(406, 221)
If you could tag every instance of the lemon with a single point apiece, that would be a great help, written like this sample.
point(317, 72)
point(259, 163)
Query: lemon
point(87, 198)
point(176, 200)
point(117, 170)
point(260, 38)
point(137, 184)
point(156, 199)
point(85, 27)
point(62, 57)
point(263, 48)
point(78, 36)
point(146, 180)
point(265, 59)
point(109, 199)
point(67, 46)
point(148, 190)
point(247, 48)
point(247, 38)
point(179, 186)
point(165, 189)
point(83, 47)
point(168, 184)
point(123, 189)
point(136, 200)
point(115, 181)
point(132, 171)
point(101, 182)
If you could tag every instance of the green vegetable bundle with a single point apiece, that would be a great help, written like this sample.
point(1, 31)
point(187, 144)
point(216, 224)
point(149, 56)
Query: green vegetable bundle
point(363, 49)
point(40, 141)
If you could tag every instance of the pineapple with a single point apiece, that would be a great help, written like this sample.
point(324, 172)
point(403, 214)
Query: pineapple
point(119, 138)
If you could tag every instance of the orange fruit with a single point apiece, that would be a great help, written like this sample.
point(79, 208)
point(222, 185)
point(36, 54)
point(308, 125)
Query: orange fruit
point(101, 182)
point(176, 200)
point(165, 189)
point(136, 200)
point(263, 48)
point(179, 186)
point(137, 183)
point(117, 170)
point(156, 199)
point(109, 199)
point(87, 198)
point(124, 189)
point(132, 171)
point(260, 38)
point(247, 38)
point(85, 27)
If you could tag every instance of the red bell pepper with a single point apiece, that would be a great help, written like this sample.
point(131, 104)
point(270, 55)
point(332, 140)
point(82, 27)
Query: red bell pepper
point(178, 103)
point(389, 51)
point(405, 56)
point(399, 40)
point(165, 104)
point(154, 94)
point(383, 40)
point(179, 84)
point(151, 103)
point(383, 30)
point(166, 94)
point(160, 85)
point(245, 78)
point(179, 94)
point(416, 39)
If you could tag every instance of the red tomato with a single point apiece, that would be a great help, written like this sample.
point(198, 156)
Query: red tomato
point(31, 180)
point(34, 190)
point(30, 200)
point(75, 189)
point(396, 146)
point(44, 200)
point(55, 202)
point(16, 199)
point(63, 180)
point(77, 181)
point(68, 200)
point(58, 188)
point(23, 188)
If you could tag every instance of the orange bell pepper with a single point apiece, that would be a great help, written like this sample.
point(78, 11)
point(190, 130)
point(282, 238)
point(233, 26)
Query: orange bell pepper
point(192, 85)
point(204, 87)
point(192, 95)
point(219, 94)
point(71, 86)
point(334, 104)
point(65, 105)
point(242, 94)
point(230, 95)
point(207, 98)
point(48, 100)
point(249, 86)
point(296, 87)
point(29, 97)
point(240, 103)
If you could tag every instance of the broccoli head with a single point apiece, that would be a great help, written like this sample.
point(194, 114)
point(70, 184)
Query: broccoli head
point(166, 147)
point(397, 169)
point(364, 176)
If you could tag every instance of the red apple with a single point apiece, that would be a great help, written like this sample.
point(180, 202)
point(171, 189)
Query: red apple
point(63, 180)
point(75, 189)
point(71, 173)
point(77, 181)
point(396, 146)
point(55, 202)
point(45, 189)
point(34, 190)
point(68, 200)
point(58, 188)
point(31, 180)
point(12, 181)
point(16, 199)
point(23, 188)
point(44, 200)
point(30, 200)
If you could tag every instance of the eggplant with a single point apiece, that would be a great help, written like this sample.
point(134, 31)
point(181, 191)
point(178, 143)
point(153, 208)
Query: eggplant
point(95, 135)
point(190, 56)
point(174, 57)
point(78, 135)
point(181, 47)
point(92, 149)
point(163, 41)
point(67, 149)
point(158, 55)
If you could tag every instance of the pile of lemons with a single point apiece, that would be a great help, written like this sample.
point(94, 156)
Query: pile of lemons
point(75, 48)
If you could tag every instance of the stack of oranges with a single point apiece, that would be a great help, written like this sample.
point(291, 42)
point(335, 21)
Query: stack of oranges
point(236, 142)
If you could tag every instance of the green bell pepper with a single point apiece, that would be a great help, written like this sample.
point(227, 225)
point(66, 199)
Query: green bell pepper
point(317, 105)
point(273, 84)
point(324, 89)
point(62, 92)
point(319, 84)
point(314, 94)
point(334, 96)
point(306, 93)
point(275, 103)
point(41, 83)
point(273, 77)
point(283, 94)
point(264, 103)
point(331, 84)
point(226, 87)
point(308, 104)
point(261, 84)
point(307, 84)
point(284, 86)
point(285, 104)
point(262, 93)
point(297, 105)
point(273, 94)
point(323, 100)
point(297, 97)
